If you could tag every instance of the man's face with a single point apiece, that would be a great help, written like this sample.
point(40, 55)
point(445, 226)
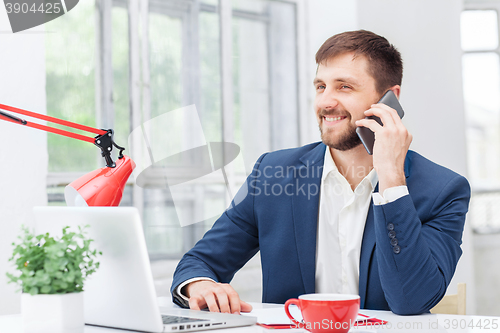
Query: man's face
point(344, 91)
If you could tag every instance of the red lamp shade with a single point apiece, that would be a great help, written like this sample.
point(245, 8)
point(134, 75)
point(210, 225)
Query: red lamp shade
point(102, 187)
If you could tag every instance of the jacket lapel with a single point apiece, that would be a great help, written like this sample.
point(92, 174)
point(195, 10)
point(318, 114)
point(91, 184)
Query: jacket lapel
point(305, 202)
point(368, 243)
point(367, 248)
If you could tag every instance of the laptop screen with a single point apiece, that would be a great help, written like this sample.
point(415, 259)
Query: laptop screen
point(121, 293)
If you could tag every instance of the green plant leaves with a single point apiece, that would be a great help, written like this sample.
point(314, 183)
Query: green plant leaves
point(45, 265)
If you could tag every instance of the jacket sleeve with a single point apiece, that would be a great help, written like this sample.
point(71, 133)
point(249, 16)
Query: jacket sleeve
point(417, 256)
point(227, 246)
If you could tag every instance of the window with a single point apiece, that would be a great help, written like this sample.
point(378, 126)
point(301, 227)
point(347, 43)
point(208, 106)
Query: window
point(70, 82)
point(481, 85)
point(158, 59)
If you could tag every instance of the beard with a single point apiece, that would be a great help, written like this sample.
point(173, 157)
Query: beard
point(344, 141)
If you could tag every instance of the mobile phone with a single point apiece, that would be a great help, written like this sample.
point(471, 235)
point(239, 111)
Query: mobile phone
point(365, 134)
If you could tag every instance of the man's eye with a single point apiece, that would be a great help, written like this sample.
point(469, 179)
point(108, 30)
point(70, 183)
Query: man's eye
point(320, 87)
point(345, 87)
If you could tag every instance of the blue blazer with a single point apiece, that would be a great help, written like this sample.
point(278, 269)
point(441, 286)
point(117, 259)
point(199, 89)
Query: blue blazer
point(409, 251)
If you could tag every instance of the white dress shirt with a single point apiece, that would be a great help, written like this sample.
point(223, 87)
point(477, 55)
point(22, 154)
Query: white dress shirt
point(341, 224)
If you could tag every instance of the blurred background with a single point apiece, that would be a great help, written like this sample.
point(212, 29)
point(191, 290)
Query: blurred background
point(248, 67)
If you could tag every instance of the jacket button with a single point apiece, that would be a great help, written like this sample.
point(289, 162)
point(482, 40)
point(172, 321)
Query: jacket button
point(394, 241)
point(392, 234)
point(390, 226)
point(396, 249)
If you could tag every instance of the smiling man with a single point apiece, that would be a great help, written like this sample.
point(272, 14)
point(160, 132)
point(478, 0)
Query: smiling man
point(386, 226)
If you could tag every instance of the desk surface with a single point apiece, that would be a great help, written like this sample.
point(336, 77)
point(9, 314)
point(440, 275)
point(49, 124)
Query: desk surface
point(421, 323)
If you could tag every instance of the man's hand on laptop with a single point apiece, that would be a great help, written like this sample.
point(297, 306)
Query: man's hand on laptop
point(218, 297)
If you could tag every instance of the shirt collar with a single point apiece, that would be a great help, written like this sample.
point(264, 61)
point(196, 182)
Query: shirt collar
point(329, 166)
point(372, 178)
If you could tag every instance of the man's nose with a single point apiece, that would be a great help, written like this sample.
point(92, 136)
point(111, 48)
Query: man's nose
point(327, 100)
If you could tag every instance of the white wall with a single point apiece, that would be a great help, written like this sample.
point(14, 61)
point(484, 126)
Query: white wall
point(322, 19)
point(427, 33)
point(429, 41)
point(23, 152)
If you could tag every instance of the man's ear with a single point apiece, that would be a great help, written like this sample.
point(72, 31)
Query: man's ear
point(396, 90)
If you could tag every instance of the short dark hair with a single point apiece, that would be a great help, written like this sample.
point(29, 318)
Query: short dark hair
point(384, 60)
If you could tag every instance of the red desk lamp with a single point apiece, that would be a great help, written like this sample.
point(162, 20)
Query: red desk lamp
point(102, 187)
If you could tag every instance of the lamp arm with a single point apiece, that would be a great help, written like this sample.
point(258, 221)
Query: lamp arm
point(52, 119)
point(13, 118)
point(103, 140)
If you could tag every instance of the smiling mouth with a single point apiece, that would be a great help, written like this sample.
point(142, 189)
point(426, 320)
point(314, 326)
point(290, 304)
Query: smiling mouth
point(332, 119)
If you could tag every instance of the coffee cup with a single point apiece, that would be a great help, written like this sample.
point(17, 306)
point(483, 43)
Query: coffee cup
point(325, 312)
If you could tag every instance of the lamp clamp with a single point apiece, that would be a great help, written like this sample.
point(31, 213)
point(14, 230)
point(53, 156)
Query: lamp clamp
point(105, 142)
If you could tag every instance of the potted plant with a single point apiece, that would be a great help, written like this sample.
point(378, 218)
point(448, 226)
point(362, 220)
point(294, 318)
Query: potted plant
point(51, 273)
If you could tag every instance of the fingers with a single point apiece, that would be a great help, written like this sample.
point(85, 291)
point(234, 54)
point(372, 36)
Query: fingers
point(234, 300)
point(197, 303)
point(369, 123)
point(387, 115)
point(381, 109)
point(222, 300)
point(213, 303)
point(218, 297)
point(245, 307)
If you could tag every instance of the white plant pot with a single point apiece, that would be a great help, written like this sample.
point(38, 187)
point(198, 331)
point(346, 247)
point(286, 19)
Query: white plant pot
point(53, 313)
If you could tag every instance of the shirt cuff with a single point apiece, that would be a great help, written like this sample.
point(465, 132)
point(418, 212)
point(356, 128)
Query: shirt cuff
point(178, 290)
point(391, 194)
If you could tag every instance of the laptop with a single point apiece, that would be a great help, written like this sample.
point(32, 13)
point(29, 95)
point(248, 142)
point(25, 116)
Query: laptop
point(121, 294)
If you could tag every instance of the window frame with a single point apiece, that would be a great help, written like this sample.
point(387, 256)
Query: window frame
point(479, 194)
point(140, 96)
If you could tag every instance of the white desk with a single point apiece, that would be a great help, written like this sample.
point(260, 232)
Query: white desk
point(432, 323)
point(412, 324)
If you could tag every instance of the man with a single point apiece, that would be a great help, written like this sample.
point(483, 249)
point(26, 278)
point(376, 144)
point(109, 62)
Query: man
point(330, 218)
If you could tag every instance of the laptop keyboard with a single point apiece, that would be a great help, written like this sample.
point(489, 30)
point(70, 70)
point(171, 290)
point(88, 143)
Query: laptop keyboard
point(177, 320)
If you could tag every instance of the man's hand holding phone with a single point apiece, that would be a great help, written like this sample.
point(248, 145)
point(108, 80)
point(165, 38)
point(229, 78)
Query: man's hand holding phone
point(391, 143)
point(218, 297)
point(365, 134)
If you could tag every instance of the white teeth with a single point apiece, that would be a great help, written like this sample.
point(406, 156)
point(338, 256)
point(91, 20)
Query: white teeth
point(332, 119)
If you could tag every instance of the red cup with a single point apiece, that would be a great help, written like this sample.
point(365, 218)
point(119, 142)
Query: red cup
point(325, 312)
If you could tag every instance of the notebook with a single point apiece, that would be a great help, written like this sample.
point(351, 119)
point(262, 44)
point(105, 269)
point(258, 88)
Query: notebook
point(121, 294)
